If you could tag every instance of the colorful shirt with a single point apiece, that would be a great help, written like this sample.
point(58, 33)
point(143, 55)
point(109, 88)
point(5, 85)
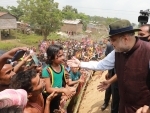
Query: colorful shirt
point(56, 77)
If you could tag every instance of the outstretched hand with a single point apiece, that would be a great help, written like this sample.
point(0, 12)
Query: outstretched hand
point(74, 62)
point(51, 96)
point(103, 86)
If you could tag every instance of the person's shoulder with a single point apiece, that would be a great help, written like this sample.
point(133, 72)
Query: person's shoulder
point(145, 44)
point(30, 109)
point(45, 73)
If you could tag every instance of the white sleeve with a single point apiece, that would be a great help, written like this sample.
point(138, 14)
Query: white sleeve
point(106, 64)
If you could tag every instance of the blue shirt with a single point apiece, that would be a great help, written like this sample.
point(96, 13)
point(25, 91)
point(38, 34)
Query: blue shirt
point(75, 76)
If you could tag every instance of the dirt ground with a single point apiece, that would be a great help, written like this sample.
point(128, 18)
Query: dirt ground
point(93, 99)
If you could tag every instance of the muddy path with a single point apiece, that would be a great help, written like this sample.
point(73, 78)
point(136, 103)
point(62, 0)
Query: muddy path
point(93, 99)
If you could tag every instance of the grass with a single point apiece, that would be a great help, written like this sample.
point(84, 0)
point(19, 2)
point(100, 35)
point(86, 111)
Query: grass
point(7, 45)
point(18, 39)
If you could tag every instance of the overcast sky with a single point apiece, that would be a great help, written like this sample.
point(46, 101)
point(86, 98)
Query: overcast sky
point(124, 9)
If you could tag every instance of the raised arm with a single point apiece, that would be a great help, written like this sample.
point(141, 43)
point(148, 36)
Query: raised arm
point(106, 64)
point(9, 54)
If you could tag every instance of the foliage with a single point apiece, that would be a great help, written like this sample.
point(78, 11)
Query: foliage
point(2, 9)
point(43, 14)
point(16, 11)
point(69, 12)
point(102, 20)
point(111, 20)
point(85, 19)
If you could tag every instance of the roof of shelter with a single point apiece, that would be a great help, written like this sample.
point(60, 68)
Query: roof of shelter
point(2, 13)
point(77, 21)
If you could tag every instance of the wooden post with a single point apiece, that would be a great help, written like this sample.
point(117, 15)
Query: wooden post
point(9, 33)
point(80, 96)
point(0, 35)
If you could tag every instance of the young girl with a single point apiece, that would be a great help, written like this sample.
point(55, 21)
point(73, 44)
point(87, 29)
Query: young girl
point(53, 74)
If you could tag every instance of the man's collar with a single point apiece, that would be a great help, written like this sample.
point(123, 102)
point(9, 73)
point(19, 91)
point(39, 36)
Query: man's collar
point(137, 44)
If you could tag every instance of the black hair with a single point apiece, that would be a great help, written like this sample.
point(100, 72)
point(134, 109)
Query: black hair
point(74, 52)
point(148, 25)
point(22, 80)
point(52, 51)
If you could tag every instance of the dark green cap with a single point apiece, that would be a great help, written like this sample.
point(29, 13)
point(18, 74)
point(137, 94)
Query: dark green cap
point(121, 26)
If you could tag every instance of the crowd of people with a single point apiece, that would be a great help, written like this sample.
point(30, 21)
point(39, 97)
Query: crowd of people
point(83, 49)
point(38, 80)
point(41, 81)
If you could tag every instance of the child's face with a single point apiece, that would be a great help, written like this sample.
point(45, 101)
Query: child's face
point(74, 69)
point(59, 58)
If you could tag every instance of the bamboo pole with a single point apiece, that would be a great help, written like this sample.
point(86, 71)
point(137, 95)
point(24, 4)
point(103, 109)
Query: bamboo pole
point(0, 35)
point(81, 95)
point(76, 108)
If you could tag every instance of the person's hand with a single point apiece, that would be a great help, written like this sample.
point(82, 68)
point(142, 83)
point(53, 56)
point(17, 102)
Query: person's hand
point(63, 98)
point(28, 58)
point(51, 96)
point(74, 62)
point(57, 111)
point(72, 89)
point(11, 53)
point(144, 109)
point(67, 92)
point(103, 86)
point(81, 80)
point(60, 110)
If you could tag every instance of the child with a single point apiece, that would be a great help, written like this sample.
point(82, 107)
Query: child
point(53, 74)
point(75, 76)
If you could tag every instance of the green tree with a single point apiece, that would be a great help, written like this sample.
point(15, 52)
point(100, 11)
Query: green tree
point(85, 19)
point(2, 9)
point(42, 14)
point(69, 8)
point(69, 12)
point(16, 11)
